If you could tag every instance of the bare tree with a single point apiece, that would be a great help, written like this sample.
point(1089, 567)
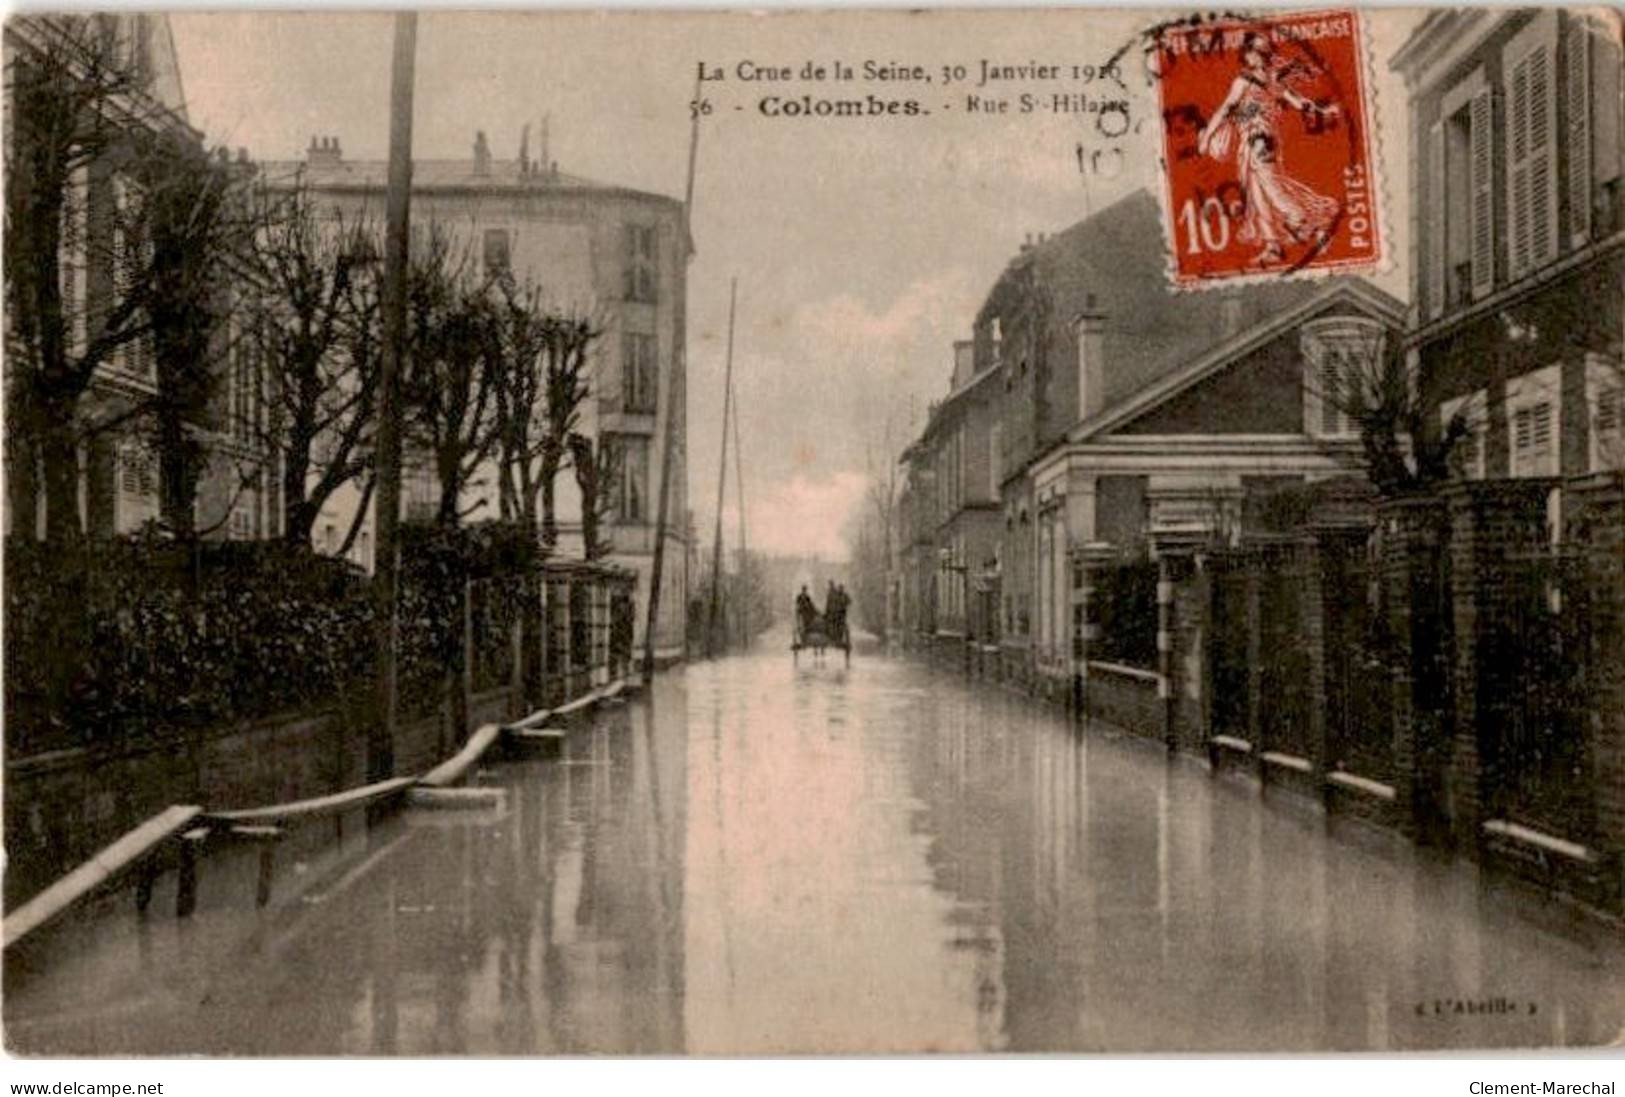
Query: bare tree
point(1402, 450)
point(566, 376)
point(195, 221)
point(452, 371)
point(316, 325)
point(78, 98)
point(598, 472)
point(871, 539)
point(527, 335)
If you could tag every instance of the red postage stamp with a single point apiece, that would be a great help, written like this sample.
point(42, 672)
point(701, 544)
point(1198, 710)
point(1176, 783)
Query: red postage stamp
point(1267, 148)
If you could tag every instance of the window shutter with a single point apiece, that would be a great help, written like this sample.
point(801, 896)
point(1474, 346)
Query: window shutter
point(1435, 223)
point(629, 289)
point(1330, 393)
point(1542, 440)
point(1518, 196)
point(1542, 156)
point(1577, 55)
point(651, 375)
point(1480, 160)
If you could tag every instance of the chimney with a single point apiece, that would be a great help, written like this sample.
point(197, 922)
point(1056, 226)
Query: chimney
point(964, 363)
point(482, 154)
point(1089, 327)
point(323, 152)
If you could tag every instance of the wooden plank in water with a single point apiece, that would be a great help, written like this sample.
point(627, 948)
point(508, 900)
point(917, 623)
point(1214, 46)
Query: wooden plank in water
point(332, 804)
point(452, 769)
point(432, 797)
point(585, 701)
point(534, 741)
point(133, 846)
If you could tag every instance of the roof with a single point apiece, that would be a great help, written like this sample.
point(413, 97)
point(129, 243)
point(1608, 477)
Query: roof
point(1114, 264)
point(1225, 352)
point(955, 398)
point(449, 175)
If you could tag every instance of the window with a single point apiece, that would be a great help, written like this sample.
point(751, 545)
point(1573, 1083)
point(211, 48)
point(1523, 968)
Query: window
point(1531, 97)
point(242, 524)
point(1532, 421)
point(1605, 397)
point(245, 388)
point(1467, 455)
point(639, 373)
point(130, 257)
point(498, 259)
point(74, 255)
point(1461, 245)
point(628, 456)
point(642, 251)
point(995, 458)
point(1577, 62)
point(136, 477)
point(1342, 358)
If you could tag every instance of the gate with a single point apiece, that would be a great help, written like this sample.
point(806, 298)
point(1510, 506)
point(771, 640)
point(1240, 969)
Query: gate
point(1359, 683)
point(1284, 666)
point(1227, 648)
point(1534, 681)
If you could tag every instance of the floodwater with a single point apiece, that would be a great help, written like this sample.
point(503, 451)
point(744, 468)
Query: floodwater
point(763, 857)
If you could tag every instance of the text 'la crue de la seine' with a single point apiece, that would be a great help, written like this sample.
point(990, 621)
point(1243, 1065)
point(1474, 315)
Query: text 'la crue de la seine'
point(870, 88)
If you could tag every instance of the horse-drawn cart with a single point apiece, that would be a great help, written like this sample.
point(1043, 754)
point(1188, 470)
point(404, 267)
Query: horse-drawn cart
point(818, 635)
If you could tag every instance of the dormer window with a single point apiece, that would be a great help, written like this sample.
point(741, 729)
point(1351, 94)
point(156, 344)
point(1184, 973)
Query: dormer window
point(1342, 355)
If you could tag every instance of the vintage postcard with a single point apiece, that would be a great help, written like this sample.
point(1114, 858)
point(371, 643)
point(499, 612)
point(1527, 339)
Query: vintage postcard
point(716, 533)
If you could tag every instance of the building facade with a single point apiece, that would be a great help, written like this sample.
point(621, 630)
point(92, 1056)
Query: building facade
point(1102, 413)
point(1518, 235)
point(100, 251)
point(616, 255)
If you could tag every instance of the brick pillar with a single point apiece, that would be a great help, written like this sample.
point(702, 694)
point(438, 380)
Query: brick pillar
point(1597, 505)
point(1092, 559)
point(1255, 663)
point(1165, 649)
point(1412, 535)
point(1314, 639)
point(1193, 602)
point(1487, 521)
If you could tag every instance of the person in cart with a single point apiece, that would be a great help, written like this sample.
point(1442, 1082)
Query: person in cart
point(806, 613)
point(835, 611)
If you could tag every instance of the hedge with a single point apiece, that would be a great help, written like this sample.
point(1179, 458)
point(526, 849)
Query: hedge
point(133, 639)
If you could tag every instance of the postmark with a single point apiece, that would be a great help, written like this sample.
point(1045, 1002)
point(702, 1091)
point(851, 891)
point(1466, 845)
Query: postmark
point(1266, 147)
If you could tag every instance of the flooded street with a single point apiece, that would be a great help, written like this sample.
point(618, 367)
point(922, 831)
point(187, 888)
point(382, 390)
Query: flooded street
point(762, 857)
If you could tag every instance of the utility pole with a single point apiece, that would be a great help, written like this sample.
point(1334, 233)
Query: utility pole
point(381, 741)
point(722, 473)
point(676, 402)
point(739, 486)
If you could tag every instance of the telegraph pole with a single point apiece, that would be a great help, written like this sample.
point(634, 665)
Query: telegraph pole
point(743, 609)
point(387, 513)
point(676, 402)
point(722, 474)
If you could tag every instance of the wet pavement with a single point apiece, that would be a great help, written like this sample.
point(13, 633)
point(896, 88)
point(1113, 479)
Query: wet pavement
point(765, 857)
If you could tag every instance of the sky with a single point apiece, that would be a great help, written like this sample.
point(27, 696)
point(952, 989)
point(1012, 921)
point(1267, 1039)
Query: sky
point(863, 246)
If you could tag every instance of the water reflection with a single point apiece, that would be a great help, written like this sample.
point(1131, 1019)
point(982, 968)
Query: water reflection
point(764, 857)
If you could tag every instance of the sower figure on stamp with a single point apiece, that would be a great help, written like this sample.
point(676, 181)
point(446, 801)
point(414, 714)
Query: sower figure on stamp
point(1281, 210)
